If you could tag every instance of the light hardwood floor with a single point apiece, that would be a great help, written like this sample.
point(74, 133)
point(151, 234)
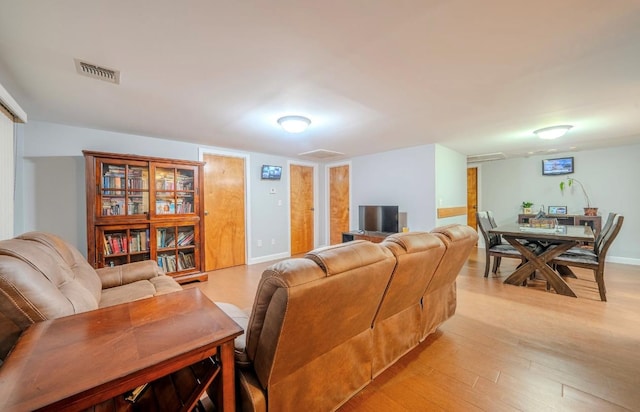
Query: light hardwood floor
point(507, 348)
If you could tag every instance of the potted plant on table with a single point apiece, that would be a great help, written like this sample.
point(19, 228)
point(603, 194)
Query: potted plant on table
point(526, 207)
point(589, 210)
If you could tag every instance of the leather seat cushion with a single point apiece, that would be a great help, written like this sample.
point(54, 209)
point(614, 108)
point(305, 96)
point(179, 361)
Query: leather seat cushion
point(127, 293)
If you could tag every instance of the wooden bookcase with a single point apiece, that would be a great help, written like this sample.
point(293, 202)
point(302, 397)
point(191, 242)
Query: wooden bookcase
point(141, 208)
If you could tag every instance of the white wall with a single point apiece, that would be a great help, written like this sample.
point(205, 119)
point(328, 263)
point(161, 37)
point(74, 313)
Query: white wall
point(451, 183)
point(609, 176)
point(51, 193)
point(404, 177)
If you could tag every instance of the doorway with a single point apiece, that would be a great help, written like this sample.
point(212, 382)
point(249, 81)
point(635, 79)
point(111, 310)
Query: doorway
point(302, 210)
point(472, 196)
point(338, 202)
point(224, 216)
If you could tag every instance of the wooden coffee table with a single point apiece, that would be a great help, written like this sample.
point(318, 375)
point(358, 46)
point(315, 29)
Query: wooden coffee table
point(78, 361)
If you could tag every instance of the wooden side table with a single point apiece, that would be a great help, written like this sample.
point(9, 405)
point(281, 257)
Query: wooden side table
point(78, 361)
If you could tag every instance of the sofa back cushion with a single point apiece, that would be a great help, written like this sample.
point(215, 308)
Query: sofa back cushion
point(440, 299)
point(309, 334)
point(459, 241)
point(81, 270)
point(418, 255)
point(37, 283)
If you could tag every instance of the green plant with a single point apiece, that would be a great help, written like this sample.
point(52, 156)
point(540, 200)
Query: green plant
point(526, 205)
point(570, 181)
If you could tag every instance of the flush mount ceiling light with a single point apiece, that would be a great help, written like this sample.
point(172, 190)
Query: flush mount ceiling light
point(294, 124)
point(552, 132)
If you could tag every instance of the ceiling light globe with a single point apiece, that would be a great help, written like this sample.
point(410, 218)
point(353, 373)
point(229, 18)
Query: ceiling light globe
point(553, 132)
point(294, 124)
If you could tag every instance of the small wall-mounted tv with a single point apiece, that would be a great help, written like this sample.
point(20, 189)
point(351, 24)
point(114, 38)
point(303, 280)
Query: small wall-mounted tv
point(560, 166)
point(378, 219)
point(271, 172)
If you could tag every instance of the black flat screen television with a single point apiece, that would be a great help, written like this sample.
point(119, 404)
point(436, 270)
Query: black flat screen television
point(560, 166)
point(271, 172)
point(378, 219)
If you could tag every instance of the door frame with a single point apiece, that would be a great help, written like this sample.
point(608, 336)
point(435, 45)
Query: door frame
point(247, 192)
point(316, 203)
point(327, 209)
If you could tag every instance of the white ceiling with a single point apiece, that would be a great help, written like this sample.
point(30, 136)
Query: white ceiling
point(475, 76)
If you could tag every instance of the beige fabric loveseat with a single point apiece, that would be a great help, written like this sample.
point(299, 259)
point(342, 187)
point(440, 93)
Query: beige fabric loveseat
point(323, 326)
point(44, 277)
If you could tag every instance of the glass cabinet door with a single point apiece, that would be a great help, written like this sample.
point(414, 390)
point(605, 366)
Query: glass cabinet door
point(122, 245)
point(175, 194)
point(176, 249)
point(123, 189)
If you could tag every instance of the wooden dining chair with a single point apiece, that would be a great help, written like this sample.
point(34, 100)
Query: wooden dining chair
point(595, 263)
point(494, 245)
point(592, 251)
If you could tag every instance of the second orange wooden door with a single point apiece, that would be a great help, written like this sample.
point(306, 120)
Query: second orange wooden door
point(302, 210)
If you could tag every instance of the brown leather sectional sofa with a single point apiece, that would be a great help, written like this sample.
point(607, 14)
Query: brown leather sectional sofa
point(323, 326)
point(43, 277)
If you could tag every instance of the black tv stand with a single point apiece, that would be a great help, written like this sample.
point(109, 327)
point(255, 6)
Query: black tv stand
point(375, 237)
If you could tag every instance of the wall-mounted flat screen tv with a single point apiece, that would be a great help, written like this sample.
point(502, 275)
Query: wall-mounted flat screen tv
point(560, 166)
point(271, 172)
point(378, 219)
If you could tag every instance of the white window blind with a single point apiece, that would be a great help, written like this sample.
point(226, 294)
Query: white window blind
point(7, 173)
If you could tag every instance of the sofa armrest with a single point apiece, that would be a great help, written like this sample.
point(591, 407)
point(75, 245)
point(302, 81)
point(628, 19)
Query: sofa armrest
point(128, 273)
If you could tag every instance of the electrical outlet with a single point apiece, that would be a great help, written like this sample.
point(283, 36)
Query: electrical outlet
point(259, 243)
point(273, 241)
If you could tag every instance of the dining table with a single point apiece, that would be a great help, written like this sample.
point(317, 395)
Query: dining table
point(552, 242)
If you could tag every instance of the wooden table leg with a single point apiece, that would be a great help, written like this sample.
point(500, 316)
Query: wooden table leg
point(227, 388)
point(539, 262)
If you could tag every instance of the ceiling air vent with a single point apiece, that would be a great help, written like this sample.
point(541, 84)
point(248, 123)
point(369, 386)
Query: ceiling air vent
point(485, 157)
point(97, 72)
point(321, 154)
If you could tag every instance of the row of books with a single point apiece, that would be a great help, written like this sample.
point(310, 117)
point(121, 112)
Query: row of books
point(164, 207)
point(115, 207)
point(115, 243)
point(170, 264)
point(185, 238)
point(139, 241)
point(166, 237)
point(166, 182)
point(118, 243)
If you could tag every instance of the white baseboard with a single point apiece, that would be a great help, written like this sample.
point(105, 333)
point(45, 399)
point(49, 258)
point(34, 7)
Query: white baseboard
point(624, 260)
point(268, 258)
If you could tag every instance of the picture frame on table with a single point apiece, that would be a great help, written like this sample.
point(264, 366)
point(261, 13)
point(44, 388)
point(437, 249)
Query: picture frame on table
point(557, 210)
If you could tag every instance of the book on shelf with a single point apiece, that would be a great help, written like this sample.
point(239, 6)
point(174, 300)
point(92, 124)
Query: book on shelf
point(186, 261)
point(165, 237)
point(115, 243)
point(164, 207)
point(185, 238)
point(138, 241)
point(113, 206)
point(167, 262)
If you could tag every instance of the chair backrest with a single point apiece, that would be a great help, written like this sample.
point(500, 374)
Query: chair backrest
point(607, 226)
point(492, 219)
point(484, 223)
point(609, 237)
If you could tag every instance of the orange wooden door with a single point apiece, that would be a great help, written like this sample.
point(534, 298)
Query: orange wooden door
point(302, 213)
point(224, 203)
point(472, 196)
point(338, 203)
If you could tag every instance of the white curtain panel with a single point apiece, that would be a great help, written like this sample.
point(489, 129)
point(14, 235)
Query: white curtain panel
point(7, 173)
